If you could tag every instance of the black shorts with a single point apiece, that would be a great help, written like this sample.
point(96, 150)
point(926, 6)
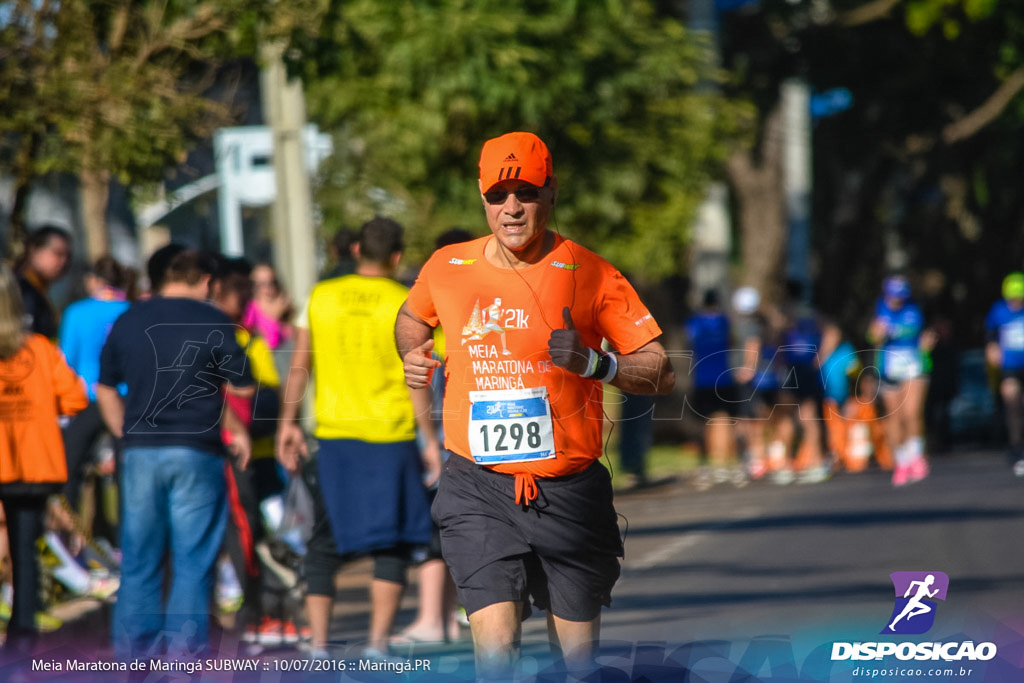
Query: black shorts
point(562, 549)
point(802, 381)
point(708, 402)
point(1012, 373)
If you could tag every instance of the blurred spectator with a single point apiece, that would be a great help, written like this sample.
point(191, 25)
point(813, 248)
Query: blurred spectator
point(1004, 329)
point(231, 290)
point(267, 313)
point(175, 352)
point(898, 330)
point(710, 338)
point(156, 266)
point(83, 330)
point(369, 465)
point(340, 248)
point(757, 383)
point(47, 259)
point(802, 391)
point(41, 387)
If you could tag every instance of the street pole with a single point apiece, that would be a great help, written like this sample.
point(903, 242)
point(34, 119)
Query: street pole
point(293, 231)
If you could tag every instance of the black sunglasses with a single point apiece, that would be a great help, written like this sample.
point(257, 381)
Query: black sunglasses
point(528, 194)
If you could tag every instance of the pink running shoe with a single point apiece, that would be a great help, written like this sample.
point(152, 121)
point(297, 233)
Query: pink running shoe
point(901, 475)
point(918, 470)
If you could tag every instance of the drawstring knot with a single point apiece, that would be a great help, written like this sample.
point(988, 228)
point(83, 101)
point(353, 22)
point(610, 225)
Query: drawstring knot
point(526, 488)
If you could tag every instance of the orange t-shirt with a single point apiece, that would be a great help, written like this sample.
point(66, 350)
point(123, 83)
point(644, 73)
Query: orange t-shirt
point(36, 386)
point(497, 323)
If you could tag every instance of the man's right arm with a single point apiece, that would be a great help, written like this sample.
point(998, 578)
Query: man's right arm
point(111, 407)
point(291, 442)
point(415, 340)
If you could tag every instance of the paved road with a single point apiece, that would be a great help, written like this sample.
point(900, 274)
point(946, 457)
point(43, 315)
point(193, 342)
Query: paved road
point(760, 581)
point(779, 573)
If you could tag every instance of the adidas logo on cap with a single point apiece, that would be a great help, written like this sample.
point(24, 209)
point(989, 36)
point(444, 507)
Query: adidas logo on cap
point(511, 157)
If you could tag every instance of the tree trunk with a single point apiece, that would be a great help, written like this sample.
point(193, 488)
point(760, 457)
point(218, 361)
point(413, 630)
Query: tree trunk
point(757, 183)
point(95, 195)
point(23, 175)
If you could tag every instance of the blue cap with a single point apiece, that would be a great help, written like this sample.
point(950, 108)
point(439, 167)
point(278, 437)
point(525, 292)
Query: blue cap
point(896, 287)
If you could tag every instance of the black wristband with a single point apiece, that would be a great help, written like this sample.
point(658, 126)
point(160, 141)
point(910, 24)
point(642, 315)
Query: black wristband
point(604, 364)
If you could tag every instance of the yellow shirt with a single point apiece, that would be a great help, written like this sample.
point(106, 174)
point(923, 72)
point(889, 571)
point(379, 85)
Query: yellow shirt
point(264, 371)
point(360, 386)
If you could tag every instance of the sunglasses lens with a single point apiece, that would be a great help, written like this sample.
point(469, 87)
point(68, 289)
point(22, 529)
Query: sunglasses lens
point(523, 194)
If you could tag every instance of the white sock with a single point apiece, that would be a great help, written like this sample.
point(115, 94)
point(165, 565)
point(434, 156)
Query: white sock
point(903, 455)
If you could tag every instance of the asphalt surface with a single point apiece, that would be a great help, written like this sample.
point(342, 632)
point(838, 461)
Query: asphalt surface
point(757, 583)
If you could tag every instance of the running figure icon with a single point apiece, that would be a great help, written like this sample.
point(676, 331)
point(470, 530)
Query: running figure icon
point(915, 606)
point(193, 382)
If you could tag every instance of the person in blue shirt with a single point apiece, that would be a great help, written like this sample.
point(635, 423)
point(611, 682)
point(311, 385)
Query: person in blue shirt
point(802, 391)
point(83, 329)
point(902, 345)
point(1004, 349)
point(175, 353)
point(711, 398)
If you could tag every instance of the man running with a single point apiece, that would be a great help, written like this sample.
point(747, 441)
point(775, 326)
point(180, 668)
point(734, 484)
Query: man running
point(1004, 328)
point(524, 508)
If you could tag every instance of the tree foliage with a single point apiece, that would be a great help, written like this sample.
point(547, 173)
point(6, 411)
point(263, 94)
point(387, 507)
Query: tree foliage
point(121, 88)
point(624, 96)
point(917, 173)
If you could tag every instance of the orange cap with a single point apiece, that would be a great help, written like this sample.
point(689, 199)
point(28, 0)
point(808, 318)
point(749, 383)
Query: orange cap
point(522, 156)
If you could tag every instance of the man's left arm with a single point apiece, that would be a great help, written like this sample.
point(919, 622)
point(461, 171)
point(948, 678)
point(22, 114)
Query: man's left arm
point(647, 370)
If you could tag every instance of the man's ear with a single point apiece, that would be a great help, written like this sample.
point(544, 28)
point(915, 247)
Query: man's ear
point(355, 250)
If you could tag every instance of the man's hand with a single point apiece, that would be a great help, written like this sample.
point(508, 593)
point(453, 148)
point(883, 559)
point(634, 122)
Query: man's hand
point(431, 456)
point(290, 446)
point(567, 348)
point(240, 447)
point(419, 365)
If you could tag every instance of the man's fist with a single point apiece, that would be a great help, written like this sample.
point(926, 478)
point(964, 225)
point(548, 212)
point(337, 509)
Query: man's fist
point(567, 348)
point(419, 365)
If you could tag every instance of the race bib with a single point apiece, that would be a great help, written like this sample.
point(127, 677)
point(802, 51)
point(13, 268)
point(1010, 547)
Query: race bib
point(512, 425)
point(1011, 336)
point(902, 364)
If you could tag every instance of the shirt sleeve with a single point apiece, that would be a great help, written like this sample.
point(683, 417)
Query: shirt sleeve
point(420, 301)
point(68, 387)
point(622, 317)
point(69, 341)
point(111, 373)
point(992, 324)
point(302, 319)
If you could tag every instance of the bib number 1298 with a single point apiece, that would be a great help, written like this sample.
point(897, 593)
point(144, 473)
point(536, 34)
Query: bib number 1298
point(510, 426)
point(511, 437)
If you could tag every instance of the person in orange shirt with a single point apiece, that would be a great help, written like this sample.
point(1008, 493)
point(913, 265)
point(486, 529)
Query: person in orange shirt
point(523, 505)
point(36, 387)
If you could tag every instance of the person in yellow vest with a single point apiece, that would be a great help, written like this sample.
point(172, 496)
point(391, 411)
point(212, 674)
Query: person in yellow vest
point(371, 472)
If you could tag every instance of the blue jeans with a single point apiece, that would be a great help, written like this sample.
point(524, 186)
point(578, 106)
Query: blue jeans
point(173, 500)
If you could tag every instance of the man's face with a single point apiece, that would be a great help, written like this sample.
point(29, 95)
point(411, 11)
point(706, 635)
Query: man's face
point(51, 259)
point(517, 221)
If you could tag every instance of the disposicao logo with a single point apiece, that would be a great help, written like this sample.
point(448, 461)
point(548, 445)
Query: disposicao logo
point(916, 592)
point(913, 613)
